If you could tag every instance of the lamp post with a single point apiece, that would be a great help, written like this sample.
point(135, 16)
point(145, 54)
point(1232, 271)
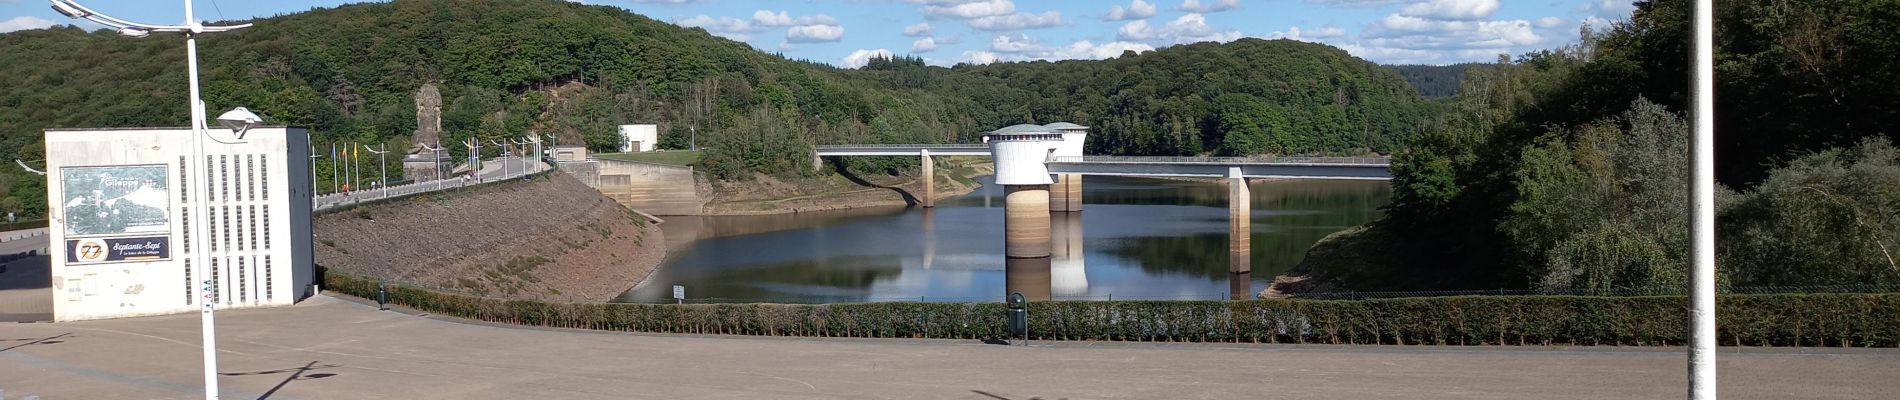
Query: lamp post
point(382, 163)
point(504, 157)
point(435, 161)
point(191, 28)
point(474, 156)
point(313, 176)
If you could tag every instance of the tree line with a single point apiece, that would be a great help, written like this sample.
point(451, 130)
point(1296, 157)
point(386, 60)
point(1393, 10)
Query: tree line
point(1568, 169)
point(571, 73)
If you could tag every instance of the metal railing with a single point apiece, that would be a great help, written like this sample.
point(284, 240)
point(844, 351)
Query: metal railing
point(336, 200)
point(1382, 161)
point(891, 146)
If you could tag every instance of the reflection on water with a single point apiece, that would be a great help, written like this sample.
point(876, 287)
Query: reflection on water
point(1137, 238)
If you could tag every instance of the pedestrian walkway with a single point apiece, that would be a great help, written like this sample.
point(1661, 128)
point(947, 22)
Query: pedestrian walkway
point(492, 171)
point(331, 348)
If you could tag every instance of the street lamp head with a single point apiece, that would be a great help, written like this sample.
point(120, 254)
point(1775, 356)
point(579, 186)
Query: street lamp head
point(69, 10)
point(134, 32)
point(240, 120)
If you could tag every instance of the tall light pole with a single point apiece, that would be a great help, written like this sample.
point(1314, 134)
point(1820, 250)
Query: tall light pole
point(474, 146)
point(313, 175)
point(191, 28)
point(1702, 211)
point(504, 157)
point(336, 180)
point(435, 159)
point(382, 163)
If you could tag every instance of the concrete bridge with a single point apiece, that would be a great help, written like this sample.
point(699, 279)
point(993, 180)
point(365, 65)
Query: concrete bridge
point(1040, 168)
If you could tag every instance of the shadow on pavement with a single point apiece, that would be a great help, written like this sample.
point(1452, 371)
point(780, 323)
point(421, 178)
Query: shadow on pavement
point(37, 341)
point(296, 374)
point(26, 290)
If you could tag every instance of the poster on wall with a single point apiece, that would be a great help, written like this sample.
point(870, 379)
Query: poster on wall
point(115, 200)
point(100, 250)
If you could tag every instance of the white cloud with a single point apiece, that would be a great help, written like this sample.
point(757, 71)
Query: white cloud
point(1137, 10)
point(968, 9)
point(1549, 22)
point(1086, 50)
point(1188, 28)
point(1018, 21)
point(781, 18)
point(924, 45)
point(814, 33)
point(1309, 35)
point(862, 56)
point(1452, 9)
point(920, 29)
point(728, 27)
point(1213, 6)
point(1356, 3)
point(1326, 32)
point(22, 23)
point(1016, 44)
point(978, 57)
point(1024, 48)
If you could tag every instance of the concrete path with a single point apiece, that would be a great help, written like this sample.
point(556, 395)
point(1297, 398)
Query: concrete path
point(328, 348)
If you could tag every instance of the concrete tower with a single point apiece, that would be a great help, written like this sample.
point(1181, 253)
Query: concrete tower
point(1019, 152)
point(1066, 195)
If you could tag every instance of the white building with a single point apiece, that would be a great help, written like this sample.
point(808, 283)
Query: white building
point(118, 202)
point(639, 138)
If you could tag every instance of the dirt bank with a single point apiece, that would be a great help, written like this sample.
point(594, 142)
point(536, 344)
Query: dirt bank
point(834, 191)
point(548, 238)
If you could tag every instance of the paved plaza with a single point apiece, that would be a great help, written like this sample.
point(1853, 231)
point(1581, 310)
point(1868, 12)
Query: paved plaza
point(333, 348)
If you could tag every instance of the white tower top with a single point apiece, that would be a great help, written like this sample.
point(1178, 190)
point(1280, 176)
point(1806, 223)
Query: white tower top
point(1019, 152)
point(1073, 137)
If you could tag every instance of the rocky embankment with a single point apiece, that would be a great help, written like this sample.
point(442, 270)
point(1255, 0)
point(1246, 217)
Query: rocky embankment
point(548, 238)
point(764, 194)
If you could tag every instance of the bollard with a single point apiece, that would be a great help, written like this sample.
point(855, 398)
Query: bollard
point(1018, 316)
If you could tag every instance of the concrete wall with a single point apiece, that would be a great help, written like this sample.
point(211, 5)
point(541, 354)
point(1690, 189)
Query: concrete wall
point(656, 189)
point(259, 224)
point(569, 153)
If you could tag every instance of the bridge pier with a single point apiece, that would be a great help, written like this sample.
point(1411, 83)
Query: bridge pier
point(1066, 195)
point(1239, 223)
point(930, 181)
point(1026, 237)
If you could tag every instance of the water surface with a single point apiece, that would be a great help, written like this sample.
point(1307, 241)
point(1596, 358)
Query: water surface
point(1135, 239)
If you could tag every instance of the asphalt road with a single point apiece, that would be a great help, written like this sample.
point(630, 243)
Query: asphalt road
point(329, 348)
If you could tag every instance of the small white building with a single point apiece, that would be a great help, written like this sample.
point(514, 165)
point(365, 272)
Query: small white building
point(639, 138)
point(119, 229)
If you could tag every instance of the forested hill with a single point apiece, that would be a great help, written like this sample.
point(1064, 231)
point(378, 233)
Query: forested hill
point(572, 72)
point(1250, 96)
point(1435, 81)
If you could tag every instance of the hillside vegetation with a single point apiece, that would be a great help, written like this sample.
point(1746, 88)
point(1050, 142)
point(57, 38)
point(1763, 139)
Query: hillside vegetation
point(572, 72)
point(1567, 169)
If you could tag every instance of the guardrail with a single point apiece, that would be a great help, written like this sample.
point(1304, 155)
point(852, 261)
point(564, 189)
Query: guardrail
point(21, 234)
point(1228, 160)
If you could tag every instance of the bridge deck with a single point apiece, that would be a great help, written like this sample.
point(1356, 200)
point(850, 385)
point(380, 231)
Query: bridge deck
point(1350, 168)
point(902, 150)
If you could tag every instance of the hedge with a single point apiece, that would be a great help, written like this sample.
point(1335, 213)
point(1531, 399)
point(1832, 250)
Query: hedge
point(1844, 320)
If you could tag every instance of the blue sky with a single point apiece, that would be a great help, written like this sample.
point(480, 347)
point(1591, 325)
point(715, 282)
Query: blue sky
point(946, 32)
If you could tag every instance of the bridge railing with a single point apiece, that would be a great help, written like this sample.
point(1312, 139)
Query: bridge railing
point(1229, 160)
point(899, 146)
